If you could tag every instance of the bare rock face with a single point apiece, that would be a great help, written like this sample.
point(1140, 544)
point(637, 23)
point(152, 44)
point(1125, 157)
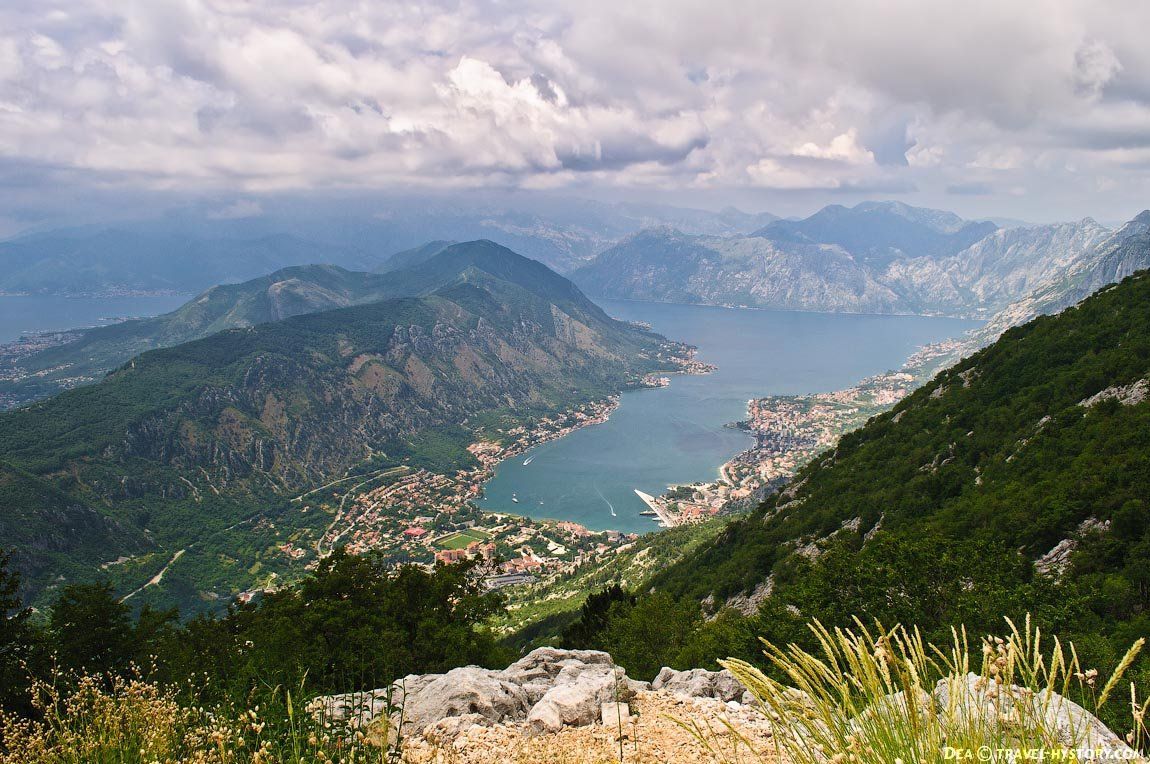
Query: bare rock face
point(699, 683)
point(538, 671)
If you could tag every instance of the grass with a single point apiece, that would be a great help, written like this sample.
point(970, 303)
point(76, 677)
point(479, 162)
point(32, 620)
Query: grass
point(462, 539)
point(876, 696)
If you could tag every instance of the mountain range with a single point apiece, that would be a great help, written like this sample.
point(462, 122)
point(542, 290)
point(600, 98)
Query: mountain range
point(878, 257)
point(196, 447)
point(193, 249)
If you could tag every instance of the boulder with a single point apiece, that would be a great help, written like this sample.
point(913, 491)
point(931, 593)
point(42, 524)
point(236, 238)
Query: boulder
point(973, 700)
point(461, 692)
point(578, 696)
point(699, 683)
point(537, 671)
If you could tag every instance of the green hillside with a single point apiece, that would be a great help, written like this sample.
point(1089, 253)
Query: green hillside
point(1014, 482)
point(198, 447)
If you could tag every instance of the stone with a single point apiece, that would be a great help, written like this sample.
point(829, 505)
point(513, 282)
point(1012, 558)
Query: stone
point(615, 714)
point(970, 700)
point(578, 696)
point(537, 671)
point(461, 692)
point(699, 683)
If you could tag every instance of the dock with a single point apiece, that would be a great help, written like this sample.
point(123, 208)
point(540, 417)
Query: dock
point(665, 518)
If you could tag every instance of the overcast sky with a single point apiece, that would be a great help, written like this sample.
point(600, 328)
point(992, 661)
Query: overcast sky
point(1037, 109)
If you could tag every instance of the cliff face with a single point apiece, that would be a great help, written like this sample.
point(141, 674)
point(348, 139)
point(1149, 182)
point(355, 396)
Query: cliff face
point(201, 435)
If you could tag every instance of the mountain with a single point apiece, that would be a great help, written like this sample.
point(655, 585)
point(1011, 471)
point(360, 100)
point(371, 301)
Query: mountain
point(669, 266)
point(188, 250)
point(413, 256)
point(881, 257)
point(195, 448)
point(1116, 256)
point(878, 233)
point(118, 261)
point(86, 355)
point(996, 270)
point(1012, 483)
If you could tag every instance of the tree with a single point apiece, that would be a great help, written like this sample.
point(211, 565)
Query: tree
point(90, 630)
point(18, 641)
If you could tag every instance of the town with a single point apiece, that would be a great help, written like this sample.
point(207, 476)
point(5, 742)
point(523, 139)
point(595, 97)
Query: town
point(789, 431)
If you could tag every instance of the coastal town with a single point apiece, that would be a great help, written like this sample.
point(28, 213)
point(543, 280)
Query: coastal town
point(788, 431)
point(407, 514)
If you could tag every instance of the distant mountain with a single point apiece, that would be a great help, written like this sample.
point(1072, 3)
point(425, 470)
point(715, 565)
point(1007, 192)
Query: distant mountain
point(198, 445)
point(112, 261)
point(192, 249)
point(285, 293)
point(878, 233)
point(667, 265)
point(1117, 255)
point(876, 257)
point(93, 352)
point(999, 268)
point(413, 256)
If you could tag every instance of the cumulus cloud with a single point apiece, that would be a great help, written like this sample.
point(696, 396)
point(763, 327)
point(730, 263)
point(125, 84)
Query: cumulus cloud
point(816, 95)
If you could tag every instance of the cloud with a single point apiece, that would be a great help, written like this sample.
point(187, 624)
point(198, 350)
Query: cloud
point(238, 210)
point(247, 98)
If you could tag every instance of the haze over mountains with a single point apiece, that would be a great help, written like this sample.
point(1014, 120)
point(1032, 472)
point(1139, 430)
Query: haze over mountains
point(192, 250)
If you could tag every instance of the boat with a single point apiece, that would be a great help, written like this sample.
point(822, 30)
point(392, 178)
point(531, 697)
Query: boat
point(648, 513)
point(528, 460)
point(515, 498)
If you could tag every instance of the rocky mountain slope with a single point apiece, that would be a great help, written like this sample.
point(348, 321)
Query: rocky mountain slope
point(210, 435)
point(875, 257)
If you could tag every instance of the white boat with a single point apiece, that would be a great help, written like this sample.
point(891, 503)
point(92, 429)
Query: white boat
point(528, 460)
point(515, 499)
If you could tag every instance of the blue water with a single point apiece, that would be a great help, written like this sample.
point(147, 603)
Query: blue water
point(675, 434)
point(20, 315)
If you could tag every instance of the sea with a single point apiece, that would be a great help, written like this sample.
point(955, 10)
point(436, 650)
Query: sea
point(24, 314)
point(677, 434)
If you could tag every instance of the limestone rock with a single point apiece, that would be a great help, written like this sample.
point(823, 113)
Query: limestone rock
point(699, 683)
point(1069, 723)
point(464, 691)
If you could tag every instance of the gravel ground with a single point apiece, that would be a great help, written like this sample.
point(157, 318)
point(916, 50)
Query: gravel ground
point(655, 735)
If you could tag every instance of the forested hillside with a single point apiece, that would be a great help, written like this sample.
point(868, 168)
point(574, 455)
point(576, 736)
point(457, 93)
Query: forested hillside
point(1014, 482)
point(197, 448)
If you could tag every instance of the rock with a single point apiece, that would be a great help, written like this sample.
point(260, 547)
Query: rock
point(699, 683)
point(445, 731)
point(578, 697)
point(354, 709)
point(461, 692)
point(537, 671)
point(981, 702)
point(615, 714)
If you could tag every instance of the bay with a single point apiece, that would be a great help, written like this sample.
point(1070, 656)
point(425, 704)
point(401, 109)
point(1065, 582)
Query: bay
point(676, 434)
point(22, 314)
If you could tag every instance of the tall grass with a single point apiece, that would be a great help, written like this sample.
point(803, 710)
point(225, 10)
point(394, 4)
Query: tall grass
point(114, 720)
point(875, 695)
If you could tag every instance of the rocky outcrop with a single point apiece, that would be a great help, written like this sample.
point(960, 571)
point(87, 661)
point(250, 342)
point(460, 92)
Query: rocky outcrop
point(582, 695)
point(700, 683)
point(972, 701)
point(545, 691)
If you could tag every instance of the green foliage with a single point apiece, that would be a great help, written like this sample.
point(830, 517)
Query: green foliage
point(934, 513)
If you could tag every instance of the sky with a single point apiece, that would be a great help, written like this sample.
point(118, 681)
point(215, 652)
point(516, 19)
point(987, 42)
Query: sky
point(1031, 109)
